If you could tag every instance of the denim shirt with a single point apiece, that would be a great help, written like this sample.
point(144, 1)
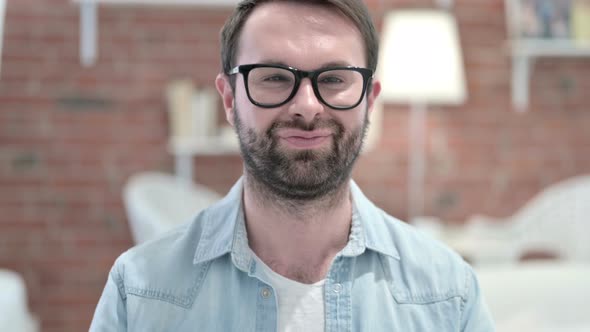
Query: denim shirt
point(202, 277)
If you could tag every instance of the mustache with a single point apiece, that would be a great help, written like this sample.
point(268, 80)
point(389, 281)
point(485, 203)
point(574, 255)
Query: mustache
point(299, 123)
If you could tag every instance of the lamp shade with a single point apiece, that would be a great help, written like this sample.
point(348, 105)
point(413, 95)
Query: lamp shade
point(420, 59)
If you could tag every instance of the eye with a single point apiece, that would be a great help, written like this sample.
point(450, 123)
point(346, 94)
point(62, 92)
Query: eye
point(276, 78)
point(331, 80)
point(271, 77)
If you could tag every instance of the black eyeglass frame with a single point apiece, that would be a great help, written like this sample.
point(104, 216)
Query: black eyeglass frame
point(299, 75)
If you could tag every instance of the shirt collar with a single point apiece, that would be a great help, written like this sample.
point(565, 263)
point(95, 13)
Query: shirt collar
point(218, 226)
point(224, 229)
point(370, 224)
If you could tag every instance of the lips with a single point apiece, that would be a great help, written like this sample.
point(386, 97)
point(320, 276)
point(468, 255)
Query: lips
point(305, 139)
point(285, 133)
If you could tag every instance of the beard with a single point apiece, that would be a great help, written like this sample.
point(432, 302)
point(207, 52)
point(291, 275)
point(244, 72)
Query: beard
point(299, 175)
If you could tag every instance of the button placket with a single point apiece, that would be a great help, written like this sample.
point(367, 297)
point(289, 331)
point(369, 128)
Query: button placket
point(338, 303)
point(266, 309)
point(265, 293)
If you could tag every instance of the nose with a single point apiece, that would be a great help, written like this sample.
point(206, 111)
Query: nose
point(305, 103)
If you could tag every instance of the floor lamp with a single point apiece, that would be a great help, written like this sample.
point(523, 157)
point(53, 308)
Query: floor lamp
point(2, 16)
point(420, 65)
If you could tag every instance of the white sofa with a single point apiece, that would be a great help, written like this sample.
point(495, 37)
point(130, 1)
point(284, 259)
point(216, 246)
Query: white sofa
point(541, 295)
point(555, 222)
point(538, 296)
point(157, 202)
point(14, 313)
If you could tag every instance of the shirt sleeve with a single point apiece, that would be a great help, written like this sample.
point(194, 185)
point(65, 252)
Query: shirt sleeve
point(111, 311)
point(475, 316)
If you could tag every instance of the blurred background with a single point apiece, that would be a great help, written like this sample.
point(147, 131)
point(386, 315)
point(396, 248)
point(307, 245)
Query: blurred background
point(93, 94)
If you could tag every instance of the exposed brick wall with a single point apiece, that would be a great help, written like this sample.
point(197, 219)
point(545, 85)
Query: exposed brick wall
point(70, 136)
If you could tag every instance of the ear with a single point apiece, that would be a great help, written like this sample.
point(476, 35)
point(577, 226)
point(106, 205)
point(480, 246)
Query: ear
point(227, 96)
point(375, 91)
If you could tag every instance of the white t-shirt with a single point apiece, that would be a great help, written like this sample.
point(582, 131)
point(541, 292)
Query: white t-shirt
point(301, 306)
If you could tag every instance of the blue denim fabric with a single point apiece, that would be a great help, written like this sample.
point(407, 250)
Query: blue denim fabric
point(202, 277)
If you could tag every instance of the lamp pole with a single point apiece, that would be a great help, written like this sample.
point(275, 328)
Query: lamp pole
point(417, 158)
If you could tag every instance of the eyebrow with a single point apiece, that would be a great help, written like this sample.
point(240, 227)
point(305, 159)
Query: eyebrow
point(324, 66)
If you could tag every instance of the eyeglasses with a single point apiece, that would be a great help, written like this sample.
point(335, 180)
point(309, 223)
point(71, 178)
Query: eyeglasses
point(269, 86)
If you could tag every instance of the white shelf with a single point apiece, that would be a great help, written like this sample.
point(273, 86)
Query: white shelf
point(89, 19)
point(524, 52)
point(185, 149)
point(213, 146)
point(549, 48)
point(216, 3)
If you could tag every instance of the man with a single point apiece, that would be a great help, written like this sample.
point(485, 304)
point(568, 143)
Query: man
point(294, 246)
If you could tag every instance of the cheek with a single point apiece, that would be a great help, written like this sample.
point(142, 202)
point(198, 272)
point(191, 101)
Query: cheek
point(241, 99)
point(254, 118)
point(352, 119)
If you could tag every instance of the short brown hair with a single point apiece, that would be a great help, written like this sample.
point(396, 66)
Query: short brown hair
point(355, 10)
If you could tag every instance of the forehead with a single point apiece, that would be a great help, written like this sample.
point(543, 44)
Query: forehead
point(305, 36)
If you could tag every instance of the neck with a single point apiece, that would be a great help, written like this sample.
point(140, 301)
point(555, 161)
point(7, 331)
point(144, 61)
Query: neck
point(297, 239)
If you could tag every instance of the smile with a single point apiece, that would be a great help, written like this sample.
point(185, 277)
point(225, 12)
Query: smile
point(300, 139)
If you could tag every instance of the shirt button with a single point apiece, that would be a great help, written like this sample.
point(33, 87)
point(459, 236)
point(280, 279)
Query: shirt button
point(265, 293)
point(337, 288)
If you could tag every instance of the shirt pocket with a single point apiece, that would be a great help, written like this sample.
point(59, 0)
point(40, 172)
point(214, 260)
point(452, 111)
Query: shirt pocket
point(155, 313)
point(427, 311)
